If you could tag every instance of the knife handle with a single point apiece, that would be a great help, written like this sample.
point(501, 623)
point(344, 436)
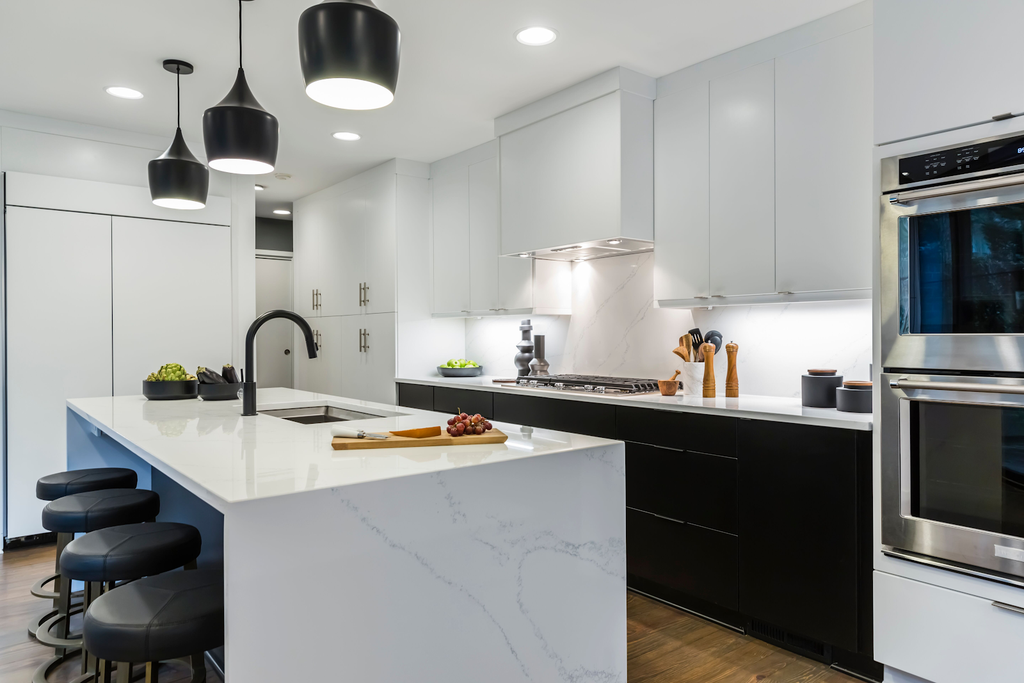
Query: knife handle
point(732, 378)
point(709, 369)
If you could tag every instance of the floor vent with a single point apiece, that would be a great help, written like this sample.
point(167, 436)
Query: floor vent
point(790, 641)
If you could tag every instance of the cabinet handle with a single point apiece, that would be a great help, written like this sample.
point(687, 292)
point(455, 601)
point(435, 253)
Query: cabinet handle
point(783, 292)
point(700, 297)
point(313, 293)
point(366, 294)
point(1003, 117)
point(717, 296)
point(1008, 608)
point(366, 342)
point(360, 294)
point(319, 300)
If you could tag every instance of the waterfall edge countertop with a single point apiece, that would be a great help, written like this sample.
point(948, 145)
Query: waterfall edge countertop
point(211, 450)
point(773, 408)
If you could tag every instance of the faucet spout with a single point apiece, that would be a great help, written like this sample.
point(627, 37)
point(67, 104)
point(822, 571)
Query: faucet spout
point(249, 386)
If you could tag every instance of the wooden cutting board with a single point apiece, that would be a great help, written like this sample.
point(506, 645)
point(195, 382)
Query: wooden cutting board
point(343, 444)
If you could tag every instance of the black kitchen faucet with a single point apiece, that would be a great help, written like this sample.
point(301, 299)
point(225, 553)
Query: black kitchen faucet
point(249, 386)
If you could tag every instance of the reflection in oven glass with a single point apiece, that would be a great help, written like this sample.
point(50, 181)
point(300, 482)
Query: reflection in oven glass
point(963, 271)
point(967, 465)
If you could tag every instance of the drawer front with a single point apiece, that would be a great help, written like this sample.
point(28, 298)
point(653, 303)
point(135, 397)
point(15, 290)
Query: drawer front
point(945, 636)
point(683, 557)
point(416, 396)
point(448, 400)
point(578, 417)
point(683, 431)
point(686, 486)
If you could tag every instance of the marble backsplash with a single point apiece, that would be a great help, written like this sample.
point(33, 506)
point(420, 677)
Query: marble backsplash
point(615, 329)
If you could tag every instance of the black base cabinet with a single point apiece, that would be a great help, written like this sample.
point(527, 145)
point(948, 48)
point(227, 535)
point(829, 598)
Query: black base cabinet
point(762, 525)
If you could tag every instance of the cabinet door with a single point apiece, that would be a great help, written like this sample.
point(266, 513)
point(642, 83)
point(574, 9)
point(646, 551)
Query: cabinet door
point(823, 165)
point(58, 343)
point(342, 254)
point(353, 371)
point(308, 234)
point(743, 182)
point(483, 236)
point(516, 283)
point(942, 64)
point(169, 307)
point(306, 371)
point(332, 350)
point(379, 220)
point(798, 529)
point(451, 241)
point(682, 211)
point(368, 357)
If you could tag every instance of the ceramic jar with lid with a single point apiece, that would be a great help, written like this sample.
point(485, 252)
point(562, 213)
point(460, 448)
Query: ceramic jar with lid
point(854, 397)
point(818, 388)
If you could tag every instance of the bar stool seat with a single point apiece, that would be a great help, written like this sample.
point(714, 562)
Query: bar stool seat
point(131, 551)
point(163, 617)
point(92, 510)
point(60, 484)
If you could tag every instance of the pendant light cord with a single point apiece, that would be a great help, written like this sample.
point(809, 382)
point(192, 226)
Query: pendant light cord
point(239, 34)
point(177, 77)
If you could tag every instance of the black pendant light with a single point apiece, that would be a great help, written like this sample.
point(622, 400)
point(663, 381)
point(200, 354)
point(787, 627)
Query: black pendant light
point(177, 180)
point(240, 135)
point(349, 51)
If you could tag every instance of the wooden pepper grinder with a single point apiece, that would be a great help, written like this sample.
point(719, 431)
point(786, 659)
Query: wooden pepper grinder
point(708, 351)
point(732, 379)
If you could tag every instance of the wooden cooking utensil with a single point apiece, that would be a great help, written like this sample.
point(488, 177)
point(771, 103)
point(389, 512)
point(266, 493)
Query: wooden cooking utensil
point(492, 437)
point(708, 351)
point(683, 351)
point(732, 378)
point(669, 387)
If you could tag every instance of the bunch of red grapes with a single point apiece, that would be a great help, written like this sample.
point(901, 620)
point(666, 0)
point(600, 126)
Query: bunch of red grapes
point(463, 424)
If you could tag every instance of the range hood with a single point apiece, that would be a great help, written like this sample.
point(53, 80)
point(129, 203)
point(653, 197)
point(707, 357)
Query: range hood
point(594, 249)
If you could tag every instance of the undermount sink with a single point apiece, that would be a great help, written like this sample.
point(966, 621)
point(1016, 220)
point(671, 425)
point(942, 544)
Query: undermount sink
point(315, 415)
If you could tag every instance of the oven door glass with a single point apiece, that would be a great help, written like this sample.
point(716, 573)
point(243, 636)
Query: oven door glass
point(962, 272)
point(966, 465)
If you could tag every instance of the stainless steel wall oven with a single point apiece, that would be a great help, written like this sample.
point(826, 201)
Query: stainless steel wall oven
point(952, 395)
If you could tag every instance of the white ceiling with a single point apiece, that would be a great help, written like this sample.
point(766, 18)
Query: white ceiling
point(461, 66)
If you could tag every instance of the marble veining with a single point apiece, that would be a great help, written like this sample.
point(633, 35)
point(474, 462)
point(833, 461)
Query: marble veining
point(616, 329)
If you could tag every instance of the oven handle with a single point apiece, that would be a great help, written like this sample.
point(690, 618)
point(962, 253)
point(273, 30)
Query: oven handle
point(959, 188)
point(956, 386)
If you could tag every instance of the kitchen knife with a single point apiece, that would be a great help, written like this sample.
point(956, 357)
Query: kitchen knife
point(349, 433)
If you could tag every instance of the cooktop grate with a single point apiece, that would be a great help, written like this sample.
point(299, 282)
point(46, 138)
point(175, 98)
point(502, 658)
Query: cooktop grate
point(592, 383)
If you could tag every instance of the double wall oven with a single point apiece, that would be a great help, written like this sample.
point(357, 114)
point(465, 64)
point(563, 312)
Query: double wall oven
point(952, 395)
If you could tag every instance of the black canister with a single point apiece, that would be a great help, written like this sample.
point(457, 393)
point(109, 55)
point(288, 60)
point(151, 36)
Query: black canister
point(818, 388)
point(854, 397)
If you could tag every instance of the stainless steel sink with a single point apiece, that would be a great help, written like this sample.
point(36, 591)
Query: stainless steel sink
point(314, 415)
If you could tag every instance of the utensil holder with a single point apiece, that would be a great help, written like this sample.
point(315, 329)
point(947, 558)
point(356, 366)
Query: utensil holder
point(693, 379)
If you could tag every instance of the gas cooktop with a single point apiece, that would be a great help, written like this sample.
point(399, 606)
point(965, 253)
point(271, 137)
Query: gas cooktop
point(590, 383)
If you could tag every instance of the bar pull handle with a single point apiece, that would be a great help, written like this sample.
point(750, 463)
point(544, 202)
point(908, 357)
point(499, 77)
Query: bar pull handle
point(957, 386)
point(366, 341)
point(366, 294)
point(959, 188)
point(313, 292)
point(1008, 607)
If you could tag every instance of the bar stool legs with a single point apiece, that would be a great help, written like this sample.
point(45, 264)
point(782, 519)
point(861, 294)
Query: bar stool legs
point(39, 591)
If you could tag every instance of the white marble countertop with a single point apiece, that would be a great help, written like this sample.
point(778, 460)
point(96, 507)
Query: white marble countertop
point(773, 408)
point(210, 449)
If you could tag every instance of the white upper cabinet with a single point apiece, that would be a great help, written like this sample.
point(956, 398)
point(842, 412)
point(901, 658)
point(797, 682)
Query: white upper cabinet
point(168, 309)
point(308, 227)
point(578, 166)
point(682, 186)
point(823, 166)
point(742, 182)
point(763, 167)
point(470, 278)
point(942, 64)
point(379, 228)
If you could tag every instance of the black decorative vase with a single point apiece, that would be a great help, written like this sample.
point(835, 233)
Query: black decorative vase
point(525, 347)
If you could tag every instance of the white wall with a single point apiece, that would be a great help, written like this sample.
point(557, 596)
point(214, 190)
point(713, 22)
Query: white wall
point(616, 330)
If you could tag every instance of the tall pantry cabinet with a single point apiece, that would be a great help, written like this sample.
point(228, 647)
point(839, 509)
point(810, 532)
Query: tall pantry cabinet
point(95, 302)
point(346, 248)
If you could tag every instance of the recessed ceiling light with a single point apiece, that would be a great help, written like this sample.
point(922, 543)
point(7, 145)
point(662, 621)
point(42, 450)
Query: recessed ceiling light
point(535, 36)
point(260, 188)
point(524, 256)
point(578, 260)
point(346, 136)
point(282, 212)
point(124, 93)
point(614, 241)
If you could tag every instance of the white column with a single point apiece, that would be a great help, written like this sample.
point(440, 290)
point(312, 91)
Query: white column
point(243, 263)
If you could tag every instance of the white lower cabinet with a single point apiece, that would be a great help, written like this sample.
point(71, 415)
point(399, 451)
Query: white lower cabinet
point(945, 636)
point(356, 357)
point(169, 307)
point(58, 343)
point(322, 374)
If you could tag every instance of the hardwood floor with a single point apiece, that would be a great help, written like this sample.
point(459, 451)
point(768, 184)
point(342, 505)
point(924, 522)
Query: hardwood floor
point(665, 644)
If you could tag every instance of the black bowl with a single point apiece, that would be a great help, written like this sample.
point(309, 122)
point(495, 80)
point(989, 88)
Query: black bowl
point(219, 392)
point(170, 391)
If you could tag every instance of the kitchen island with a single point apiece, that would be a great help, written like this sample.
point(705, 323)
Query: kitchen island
point(474, 562)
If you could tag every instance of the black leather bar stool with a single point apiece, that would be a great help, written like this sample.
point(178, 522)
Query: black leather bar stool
point(82, 513)
point(58, 485)
point(125, 553)
point(170, 616)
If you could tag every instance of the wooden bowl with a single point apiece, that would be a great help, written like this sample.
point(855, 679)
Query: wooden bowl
point(668, 387)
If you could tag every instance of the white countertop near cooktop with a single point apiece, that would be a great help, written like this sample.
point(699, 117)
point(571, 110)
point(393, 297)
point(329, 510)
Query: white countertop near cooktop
point(774, 408)
point(210, 449)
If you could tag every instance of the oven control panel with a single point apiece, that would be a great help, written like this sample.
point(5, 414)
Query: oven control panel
point(962, 161)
